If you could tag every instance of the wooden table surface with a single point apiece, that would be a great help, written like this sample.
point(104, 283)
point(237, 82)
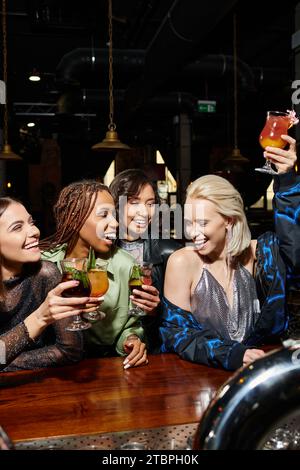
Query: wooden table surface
point(98, 396)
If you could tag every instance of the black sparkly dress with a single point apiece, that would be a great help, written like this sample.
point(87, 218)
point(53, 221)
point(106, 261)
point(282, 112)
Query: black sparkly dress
point(23, 295)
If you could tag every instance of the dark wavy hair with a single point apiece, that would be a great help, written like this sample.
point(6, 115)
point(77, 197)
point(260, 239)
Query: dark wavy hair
point(5, 202)
point(129, 183)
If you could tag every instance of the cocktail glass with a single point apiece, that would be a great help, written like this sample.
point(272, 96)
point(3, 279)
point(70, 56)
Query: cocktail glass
point(140, 274)
point(277, 123)
point(99, 286)
point(76, 269)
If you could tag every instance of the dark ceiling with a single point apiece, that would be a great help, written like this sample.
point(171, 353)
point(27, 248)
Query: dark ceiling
point(167, 55)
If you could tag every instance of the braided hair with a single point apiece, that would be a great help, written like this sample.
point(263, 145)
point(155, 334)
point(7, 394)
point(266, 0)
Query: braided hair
point(74, 205)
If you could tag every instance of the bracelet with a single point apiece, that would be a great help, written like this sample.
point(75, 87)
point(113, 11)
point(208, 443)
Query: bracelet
point(132, 336)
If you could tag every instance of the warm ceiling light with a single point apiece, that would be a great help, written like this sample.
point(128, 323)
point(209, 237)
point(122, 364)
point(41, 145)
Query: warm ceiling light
point(30, 124)
point(6, 152)
point(111, 140)
point(35, 76)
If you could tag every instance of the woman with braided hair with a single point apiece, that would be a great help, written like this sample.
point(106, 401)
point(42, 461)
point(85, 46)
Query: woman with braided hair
point(85, 217)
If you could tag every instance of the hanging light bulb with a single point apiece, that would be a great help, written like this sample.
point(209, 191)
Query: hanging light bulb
point(6, 153)
point(111, 140)
point(34, 76)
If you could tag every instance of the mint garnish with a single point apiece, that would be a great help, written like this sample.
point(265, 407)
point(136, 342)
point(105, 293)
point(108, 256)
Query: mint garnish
point(91, 259)
point(136, 272)
point(78, 275)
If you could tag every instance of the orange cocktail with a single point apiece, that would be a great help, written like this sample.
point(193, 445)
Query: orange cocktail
point(99, 282)
point(277, 123)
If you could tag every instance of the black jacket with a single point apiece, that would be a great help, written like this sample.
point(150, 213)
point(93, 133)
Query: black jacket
point(278, 264)
point(157, 252)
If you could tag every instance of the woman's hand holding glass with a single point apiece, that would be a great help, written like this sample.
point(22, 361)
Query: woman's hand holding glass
point(273, 136)
point(284, 160)
point(55, 307)
point(136, 352)
point(144, 296)
point(147, 299)
point(76, 269)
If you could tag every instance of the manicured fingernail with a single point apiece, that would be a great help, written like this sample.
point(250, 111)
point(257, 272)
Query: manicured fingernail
point(127, 366)
point(126, 360)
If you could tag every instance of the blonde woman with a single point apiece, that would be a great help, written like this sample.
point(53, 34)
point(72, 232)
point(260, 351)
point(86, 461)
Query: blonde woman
point(232, 289)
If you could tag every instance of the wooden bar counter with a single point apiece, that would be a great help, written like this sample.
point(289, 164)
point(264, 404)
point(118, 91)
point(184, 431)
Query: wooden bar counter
point(98, 396)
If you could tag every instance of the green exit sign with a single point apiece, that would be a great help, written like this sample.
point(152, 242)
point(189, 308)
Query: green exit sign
point(205, 106)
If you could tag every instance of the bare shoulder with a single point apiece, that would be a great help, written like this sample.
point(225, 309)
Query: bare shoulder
point(179, 277)
point(182, 259)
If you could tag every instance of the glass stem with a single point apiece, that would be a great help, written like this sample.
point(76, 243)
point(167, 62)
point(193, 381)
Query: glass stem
point(77, 319)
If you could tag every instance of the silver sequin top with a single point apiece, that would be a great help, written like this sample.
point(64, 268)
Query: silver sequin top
point(209, 305)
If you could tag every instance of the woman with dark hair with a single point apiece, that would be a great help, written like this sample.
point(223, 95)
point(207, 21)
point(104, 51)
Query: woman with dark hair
point(33, 314)
point(85, 217)
point(135, 197)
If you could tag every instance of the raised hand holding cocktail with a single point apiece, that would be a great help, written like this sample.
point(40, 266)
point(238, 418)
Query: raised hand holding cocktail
point(277, 124)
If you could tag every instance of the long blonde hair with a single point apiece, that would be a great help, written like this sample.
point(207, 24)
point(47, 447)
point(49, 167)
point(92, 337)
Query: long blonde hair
point(229, 204)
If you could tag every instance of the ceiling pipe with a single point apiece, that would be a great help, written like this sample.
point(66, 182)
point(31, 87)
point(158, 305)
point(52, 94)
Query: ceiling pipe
point(79, 63)
point(217, 66)
point(174, 44)
point(76, 66)
point(210, 67)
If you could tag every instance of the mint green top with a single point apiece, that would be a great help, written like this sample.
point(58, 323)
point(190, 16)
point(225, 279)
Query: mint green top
point(117, 325)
